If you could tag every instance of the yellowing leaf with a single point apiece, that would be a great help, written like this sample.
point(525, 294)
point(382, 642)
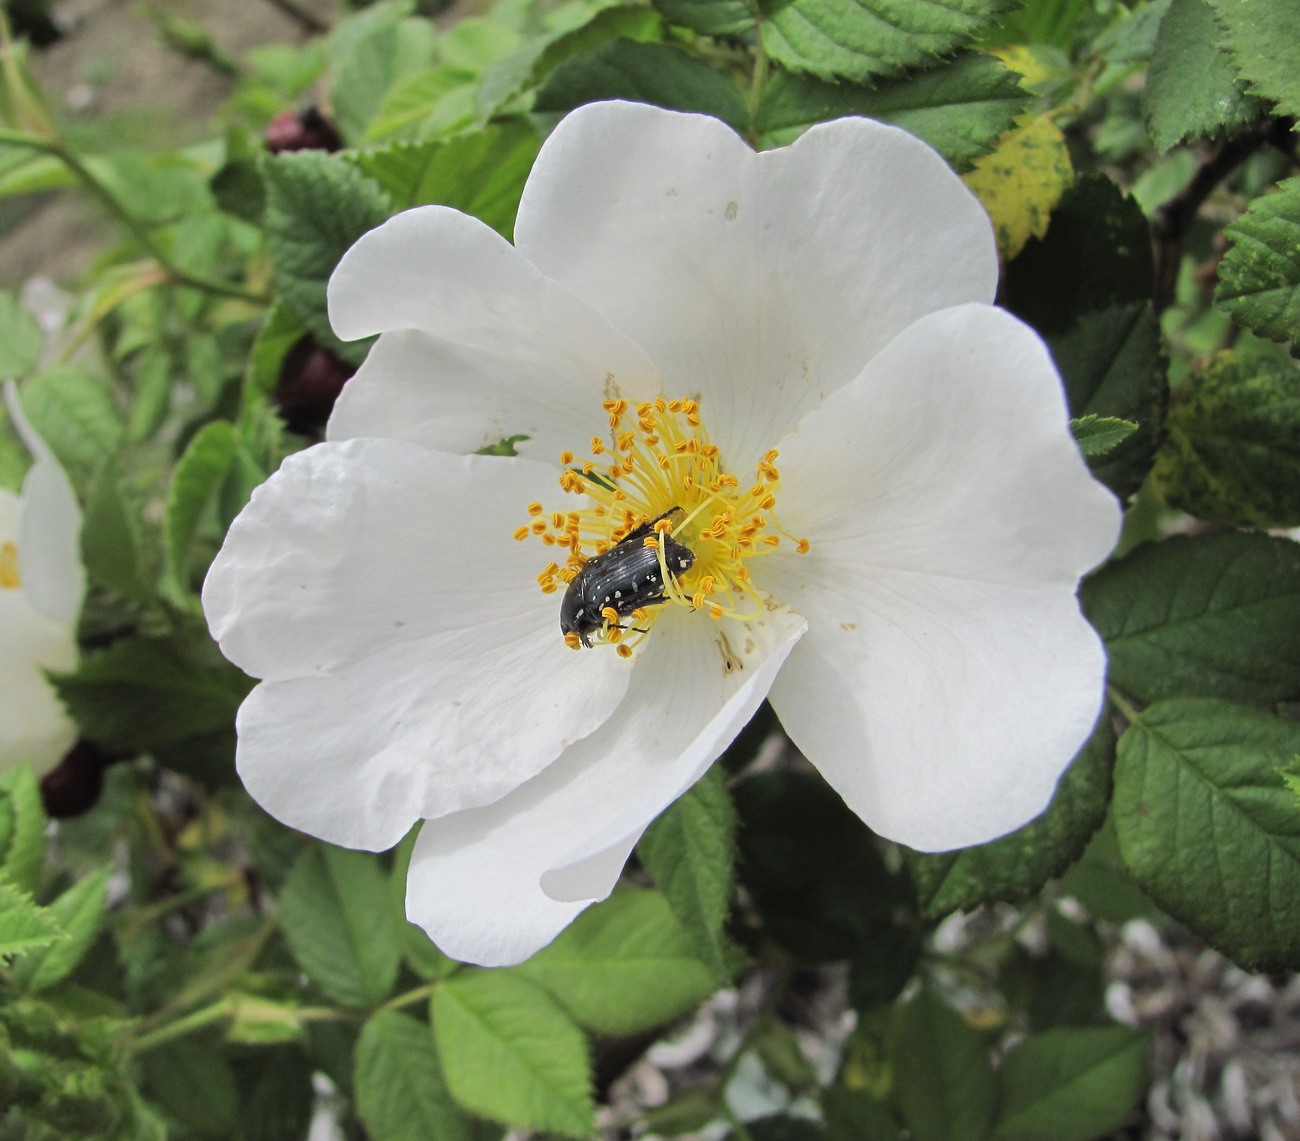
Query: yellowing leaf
point(1021, 181)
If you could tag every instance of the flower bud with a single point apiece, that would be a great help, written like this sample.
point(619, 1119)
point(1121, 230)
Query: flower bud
point(305, 130)
point(311, 378)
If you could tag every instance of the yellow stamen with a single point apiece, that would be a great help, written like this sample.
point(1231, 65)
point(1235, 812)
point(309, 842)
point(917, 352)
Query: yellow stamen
point(10, 579)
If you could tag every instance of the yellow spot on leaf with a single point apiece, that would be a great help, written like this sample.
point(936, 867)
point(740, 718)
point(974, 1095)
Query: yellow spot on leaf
point(1022, 181)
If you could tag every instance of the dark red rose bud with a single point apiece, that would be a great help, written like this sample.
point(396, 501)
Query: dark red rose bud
point(305, 130)
point(311, 379)
point(74, 786)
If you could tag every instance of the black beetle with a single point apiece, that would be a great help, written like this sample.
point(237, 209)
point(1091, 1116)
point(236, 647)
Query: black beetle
point(625, 577)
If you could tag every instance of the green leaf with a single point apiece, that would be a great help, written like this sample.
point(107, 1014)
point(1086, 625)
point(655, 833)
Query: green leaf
point(860, 40)
point(1096, 254)
point(372, 54)
point(1192, 89)
point(1208, 828)
point(709, 17)
point(943, 1082)
point(1018, 865)
point(317, 206)
point(643, 73)
point(22, 828)
point(690, 852)
point(1261, 37)
point(481, 174)
point(140, 695)
point(334, 914)
point(79, 911)
point(1112, 366)
point(428, 104)
point(194, 1083)
point(280, 1103)
point(195, 487)
point(623, 966)
point(1259, 277)
point(1100, 435)
point(855, 1115)
point(72, 410)
point(1232, 452)
point(511, 1054)
point(23, 924)
point(960, 109)
point(401, 1094)
point(813, 869)
point(112, 547)
point(1071, 1084)
point(21, 339)
point(1214, 615)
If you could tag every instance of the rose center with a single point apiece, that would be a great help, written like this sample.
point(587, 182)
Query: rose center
point(668, 525)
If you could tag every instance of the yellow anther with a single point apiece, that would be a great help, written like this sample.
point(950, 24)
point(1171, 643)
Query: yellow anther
point(549, 540)
point(535, 509)
point(698, 600)
point(772, 540)
point(10, 579)
point(521, 533)
point(715, 611)
point(663, 526)
point(609, 614)
point(539, 527)
point(640, 614)
point(557, 520)
point(566, 457)
point(802, 546)
point(624, 650)
point(549, 588)
point(571, 640)
point(651, 542)
point(597, 445)
point(707, 584)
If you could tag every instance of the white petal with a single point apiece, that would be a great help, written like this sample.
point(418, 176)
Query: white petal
point(49, 548)
point(948, 677)
point(758, 282)
point(416, 668)
point(34, 726)
point(478, 346)
point(494, 885)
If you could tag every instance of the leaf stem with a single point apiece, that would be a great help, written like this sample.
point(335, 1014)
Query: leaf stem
point(1119, 701)
point(55, 148)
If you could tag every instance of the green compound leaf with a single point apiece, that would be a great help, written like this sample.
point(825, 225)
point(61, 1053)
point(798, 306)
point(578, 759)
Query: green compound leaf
point(79, 911)
point(1192, 89)
point(1100, 435)
point(1113, 367)
point(334, 914)
point(624, 966)
point(196, 483)
point(860, 40)
point(1071, 1084)
point(194, 1083)
point(690, 852)
point(1232, 452)
point(814, 871)
point(943, 1082)
point(509, 1052)
point(22, 828)
point(24, 924)
point(1206, 616)
point(74, 413)
point(1261, 37)
point(1096, 254)
point(643, 73)
point(709, 17)
point(141, 695)
point(1259, 277)
point(401, 1094)
point(481, 174)
point(1208, 828)
point(317, 205)
point(960, 109)
point(1016, 866)
point(21, 338)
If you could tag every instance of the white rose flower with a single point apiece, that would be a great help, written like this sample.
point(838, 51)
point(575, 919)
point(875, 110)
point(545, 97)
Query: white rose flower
point(791, 361)
point(42, 583)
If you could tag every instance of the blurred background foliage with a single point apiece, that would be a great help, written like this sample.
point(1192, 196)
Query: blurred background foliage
point(177, 964)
